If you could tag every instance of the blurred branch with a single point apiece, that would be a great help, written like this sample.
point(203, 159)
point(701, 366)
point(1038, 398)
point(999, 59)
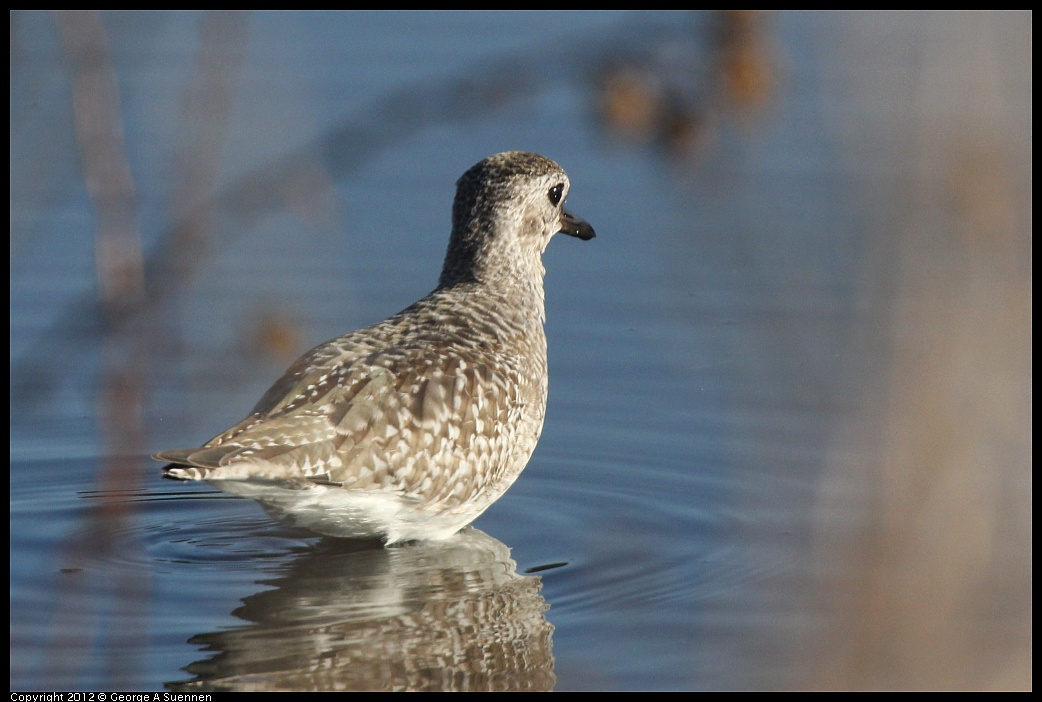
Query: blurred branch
point(99, 134)
point(477, 91)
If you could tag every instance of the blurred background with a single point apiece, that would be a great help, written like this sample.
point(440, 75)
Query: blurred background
point(788, 443)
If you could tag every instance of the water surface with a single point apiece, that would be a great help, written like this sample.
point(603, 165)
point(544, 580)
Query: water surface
point(788, 439)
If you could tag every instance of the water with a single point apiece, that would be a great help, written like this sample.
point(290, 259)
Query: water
point(790, 379)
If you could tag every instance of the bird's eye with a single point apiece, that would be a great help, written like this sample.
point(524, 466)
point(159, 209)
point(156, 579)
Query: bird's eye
point(555, 194)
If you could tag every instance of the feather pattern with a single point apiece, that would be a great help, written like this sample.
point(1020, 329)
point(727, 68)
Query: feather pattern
point(411, 428)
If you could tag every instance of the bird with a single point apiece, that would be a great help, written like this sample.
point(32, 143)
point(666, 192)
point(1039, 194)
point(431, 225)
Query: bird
point(409, 429)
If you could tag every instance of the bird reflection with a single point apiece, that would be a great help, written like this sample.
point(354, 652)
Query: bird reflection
point(453, 615)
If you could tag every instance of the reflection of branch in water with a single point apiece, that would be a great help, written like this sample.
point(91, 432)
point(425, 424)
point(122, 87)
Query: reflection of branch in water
point(126, 281)
point(672, 95)
point(120, 274)
point(206, 114)
point(124, 357)
point(99, 134)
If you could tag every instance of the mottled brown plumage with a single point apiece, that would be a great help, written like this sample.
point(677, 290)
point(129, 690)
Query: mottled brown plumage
point(411, 428)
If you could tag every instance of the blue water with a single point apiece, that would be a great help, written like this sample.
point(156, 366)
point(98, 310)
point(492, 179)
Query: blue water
point(717, 353)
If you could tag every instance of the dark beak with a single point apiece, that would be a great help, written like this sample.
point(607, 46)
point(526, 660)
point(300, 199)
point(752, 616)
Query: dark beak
point(573, 226)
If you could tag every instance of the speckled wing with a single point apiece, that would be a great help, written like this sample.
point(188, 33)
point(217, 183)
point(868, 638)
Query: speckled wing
point(422, 423)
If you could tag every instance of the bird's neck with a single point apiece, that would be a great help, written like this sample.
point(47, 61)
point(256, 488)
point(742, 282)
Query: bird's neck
point(512, 277)
point(518, 299)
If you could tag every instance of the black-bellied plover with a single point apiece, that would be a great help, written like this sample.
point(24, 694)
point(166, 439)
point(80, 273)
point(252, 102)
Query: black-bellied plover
point(411, 428)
